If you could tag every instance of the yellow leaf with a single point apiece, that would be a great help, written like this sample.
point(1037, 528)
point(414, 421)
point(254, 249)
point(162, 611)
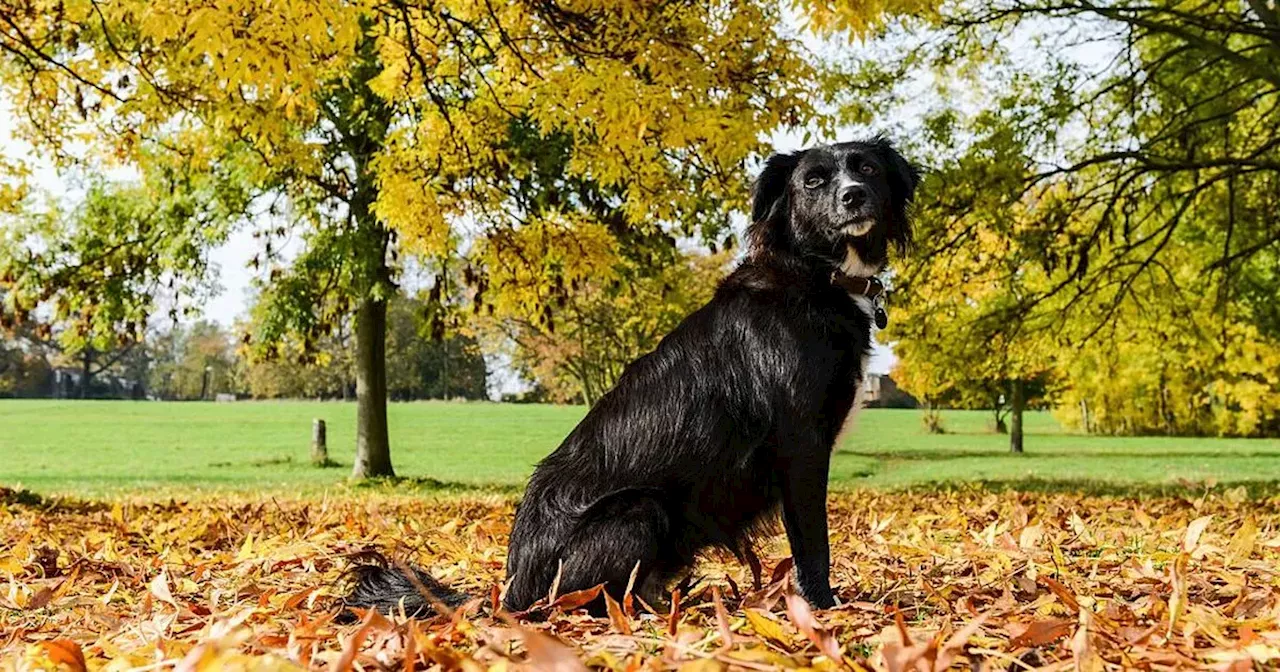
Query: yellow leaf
point(766, 627)
point(1242, 542)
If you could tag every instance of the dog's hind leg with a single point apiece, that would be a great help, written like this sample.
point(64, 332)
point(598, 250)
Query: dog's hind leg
point(616, 534)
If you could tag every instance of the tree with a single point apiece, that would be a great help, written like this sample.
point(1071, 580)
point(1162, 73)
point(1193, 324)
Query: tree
point(195, 362)
point(422, 363)
point(99, 267)
point(1145, 183)
point(382, 129)
point(957, 329)
point(24, 364)
point(427, 361)
point(604, 324)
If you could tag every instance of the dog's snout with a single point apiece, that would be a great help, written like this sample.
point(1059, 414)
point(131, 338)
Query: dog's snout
point(853, 196)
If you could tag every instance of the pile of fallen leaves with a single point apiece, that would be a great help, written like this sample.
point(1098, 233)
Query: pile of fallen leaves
point(927, 581)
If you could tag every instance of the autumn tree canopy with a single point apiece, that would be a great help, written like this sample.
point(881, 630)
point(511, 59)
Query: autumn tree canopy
point(376, 130)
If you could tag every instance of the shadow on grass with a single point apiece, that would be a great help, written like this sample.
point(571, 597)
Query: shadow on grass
point(937, 454)
point(427, 485)
point(26, 499)
point(1253, 490)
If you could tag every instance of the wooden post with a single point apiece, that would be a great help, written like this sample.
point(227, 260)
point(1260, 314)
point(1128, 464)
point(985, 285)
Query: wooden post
point(319, 446)
point(1018, 402)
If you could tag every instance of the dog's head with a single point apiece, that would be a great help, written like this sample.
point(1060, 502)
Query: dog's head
point(845, 203)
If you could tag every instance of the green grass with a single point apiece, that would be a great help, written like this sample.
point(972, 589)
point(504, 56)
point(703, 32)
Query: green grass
point(95, 448)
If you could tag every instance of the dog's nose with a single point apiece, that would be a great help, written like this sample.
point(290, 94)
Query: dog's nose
point(853, 196)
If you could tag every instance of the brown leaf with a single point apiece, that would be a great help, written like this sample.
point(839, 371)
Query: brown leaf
point(546, 653)
point(673, 619)
point(802, 617)
point(1068, 598)
point(40, 599)
point(722, 620)
point(1039, 633)
point(782, 571)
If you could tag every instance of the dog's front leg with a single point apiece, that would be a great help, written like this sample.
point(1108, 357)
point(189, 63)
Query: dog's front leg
point(804, 513)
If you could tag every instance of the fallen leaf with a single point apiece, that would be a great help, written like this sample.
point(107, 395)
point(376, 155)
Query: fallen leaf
point(65, 652)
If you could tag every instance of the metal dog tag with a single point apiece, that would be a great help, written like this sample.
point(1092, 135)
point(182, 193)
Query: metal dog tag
point(882, 318)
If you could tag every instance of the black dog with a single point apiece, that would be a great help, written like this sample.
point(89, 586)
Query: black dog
point(735, 412)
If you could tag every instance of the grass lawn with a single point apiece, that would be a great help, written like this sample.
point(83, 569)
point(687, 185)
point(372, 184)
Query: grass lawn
point(91, 448)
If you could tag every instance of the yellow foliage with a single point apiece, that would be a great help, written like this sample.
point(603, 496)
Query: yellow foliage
point(662, 106)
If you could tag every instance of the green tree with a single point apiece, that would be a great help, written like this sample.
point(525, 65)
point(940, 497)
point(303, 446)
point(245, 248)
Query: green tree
point(603, 325)
point(195, 362)
point(1139, 191)
point(427, 362)
point(101, 266)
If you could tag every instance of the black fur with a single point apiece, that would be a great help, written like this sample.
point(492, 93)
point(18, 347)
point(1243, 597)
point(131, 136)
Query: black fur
point(388, 590)
point(735, 413)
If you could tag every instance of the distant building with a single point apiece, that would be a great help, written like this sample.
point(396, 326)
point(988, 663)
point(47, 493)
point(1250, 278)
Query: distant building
point(879, 391)
point(67, 382)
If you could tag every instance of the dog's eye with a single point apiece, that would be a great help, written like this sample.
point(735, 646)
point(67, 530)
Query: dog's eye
point(814, 181)
point(867, 169)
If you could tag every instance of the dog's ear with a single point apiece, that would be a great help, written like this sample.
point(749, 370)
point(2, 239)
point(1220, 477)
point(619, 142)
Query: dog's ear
point(903, 178)
point(769, 202)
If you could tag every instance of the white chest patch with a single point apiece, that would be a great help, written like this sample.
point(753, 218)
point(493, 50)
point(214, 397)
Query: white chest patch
point(854, 266)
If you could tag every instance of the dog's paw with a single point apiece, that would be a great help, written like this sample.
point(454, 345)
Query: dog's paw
point(821, 600)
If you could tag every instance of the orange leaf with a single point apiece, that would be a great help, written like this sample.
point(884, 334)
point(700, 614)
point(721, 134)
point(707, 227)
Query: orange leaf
point(352, 648)
point(571, 601)
point(64, 652)
point(298, 597)
point(411, 647)
point(619, 619)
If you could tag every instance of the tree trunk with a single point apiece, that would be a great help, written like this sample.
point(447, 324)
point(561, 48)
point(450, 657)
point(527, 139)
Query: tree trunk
point(373, 449)
point(1017, 401)
point(86, 368)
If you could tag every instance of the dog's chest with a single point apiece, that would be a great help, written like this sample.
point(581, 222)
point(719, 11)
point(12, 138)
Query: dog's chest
point(854, 266)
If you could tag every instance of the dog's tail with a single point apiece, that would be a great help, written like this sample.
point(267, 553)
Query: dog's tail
point(388, 589)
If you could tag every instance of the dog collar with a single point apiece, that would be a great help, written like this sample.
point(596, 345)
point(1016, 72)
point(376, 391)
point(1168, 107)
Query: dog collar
point(871, 288)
